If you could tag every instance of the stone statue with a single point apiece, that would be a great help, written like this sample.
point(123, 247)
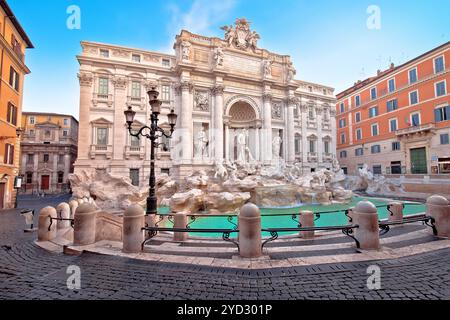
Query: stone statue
point(276, 147)
point(240, 36)
point(201, 143)
point(229, 34)
point(291, 72)
point(252, 40)
point(241, 146)
point(221, 171)
point(185, 50)
point(267, 68)
point(218, 56)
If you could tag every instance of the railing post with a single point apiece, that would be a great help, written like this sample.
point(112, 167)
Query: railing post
point(180, 220)
point(368, 231)
point(85, 225)
point(250, 231)
point(133, 235)
point(395, 211)
point(44, 234)
point(438, 207)
point(63, 211)
point(307, 220)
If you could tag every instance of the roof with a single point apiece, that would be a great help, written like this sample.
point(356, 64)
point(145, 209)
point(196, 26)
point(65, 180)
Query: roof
point(26, 113)
point(16, 23)
point(381, 74)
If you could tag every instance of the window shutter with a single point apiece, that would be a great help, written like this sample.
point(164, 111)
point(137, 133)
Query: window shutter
point(14, 115)
point(11, 76)
point(17, 82)
point(11, 154)
point(437, 115)
point(8, 114)
point(5, 155)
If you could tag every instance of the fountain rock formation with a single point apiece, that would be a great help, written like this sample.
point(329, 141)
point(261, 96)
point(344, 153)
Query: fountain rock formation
point(371, 184)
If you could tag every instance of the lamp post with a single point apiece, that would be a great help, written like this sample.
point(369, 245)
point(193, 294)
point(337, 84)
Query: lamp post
point(152, 132)
point(17, 185)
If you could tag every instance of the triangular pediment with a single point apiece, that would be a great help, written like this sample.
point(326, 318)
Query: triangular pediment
point(101, 121)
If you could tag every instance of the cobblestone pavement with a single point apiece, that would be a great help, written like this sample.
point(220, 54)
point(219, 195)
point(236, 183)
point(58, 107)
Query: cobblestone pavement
point(29, 272)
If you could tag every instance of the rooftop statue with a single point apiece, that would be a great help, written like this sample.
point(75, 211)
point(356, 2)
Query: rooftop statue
point(240, 36)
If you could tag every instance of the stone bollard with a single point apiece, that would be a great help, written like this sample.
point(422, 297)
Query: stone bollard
point(395, 210)
point(367, 219)
point(351, 215)
point(44, 222)
point(249, 220)
point(133, 235)
point(73, 207)
point(307, 220)
point(438, 207)
point(63, 211)
point(180, 220)
point(84, 225)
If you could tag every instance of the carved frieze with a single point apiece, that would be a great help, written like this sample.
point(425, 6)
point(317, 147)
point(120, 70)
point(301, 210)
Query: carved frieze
point(121, 53)
point(201, 99)
point(277, 111)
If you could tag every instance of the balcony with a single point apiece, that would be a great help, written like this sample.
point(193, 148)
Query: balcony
point(102, 98)
point(312, 156)
point(326, 125)
point(327, 156)
point(311, 124)
point(131, 151)
point(421, 129)
point(105, 150)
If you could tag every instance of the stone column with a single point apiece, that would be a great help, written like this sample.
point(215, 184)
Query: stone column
point(227, 142)
point(290, 131)
point(307, 220)
point(320, 148)
point(54, 179)
point(267, 128)
point(395, 210)
point(132, 233)
point(66, 167)
point(186, 130)
point(63, 211)
point(249, 221)
point(119, 137)
point(180, 221)
point(23, 165)
point(334, 136)
point(305, 144)
point(86, 95)
point(368, 231)
point(218, 121)
point(44, 234)
point(257, 144)
point(438, 207)
point(85, 225)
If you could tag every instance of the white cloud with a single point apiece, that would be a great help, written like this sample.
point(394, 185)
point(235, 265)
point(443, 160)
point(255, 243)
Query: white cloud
point(198, 18)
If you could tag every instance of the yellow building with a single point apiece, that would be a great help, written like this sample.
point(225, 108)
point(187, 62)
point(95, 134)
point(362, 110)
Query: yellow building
point(13, 42)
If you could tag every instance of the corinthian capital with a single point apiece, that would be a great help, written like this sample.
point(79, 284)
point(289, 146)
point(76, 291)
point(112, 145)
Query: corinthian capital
point(120, 82)
point(85, 79)
point(185, 86)
point(217, 90)
point(293, 101)
point(267, 97)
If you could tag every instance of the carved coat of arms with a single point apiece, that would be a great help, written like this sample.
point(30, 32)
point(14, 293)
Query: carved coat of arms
point(240, 36)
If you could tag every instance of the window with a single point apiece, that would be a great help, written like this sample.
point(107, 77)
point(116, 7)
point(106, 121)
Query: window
point(359, 152)
point(312, 146)
point(392, 105)
point(66, 122)
point(440, 89)
point(311, 113)
point(30, 158)
point(31, 133)
point(392, 125)
point(326, 115)
point(134, 141)
point(413, 75)
point(342, 107)
point(310, 89)
point(357, 101)
point(345, 170)
point(324, 91)
point(391, 85)
point(103, 86)
point(442, 114)
point(60, 177)
point(413, 97)
point(9, 154)
point(358, 117)
point(376, 169)
point(358, 134)
point(65, 133)
point(342, 123)
point(165, 171)
point(102, 136)
point(342, 137)
point(373, 112)
point(46, 158)
point(13, 78)
point(29, 178)
point(326, 146)
point(415, 119)
point(375, 148)
point(47, 134)
point(134, 176)
point(297, 143)
point(374, 130)
point(395, 145)
point(136, 58)
point(166, 62)
point(165, 92)
point(343, 154)
point(104, 53)
point(439, 64)
point(373, 93)
point(31, 120)
point(11, 115)
point(444, 138)
point(135, 89)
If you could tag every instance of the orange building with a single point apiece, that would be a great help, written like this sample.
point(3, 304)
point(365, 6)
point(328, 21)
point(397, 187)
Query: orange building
point(13, 42)
point(398, 122)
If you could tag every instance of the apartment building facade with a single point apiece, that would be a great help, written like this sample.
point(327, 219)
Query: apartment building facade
point(13, 43)
point(398, 122)
point(48, 151)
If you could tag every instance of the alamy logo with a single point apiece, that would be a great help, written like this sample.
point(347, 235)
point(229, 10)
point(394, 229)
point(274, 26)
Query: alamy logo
point(74, 279)
point(374, 20)
point(374, 280)
point(74, 19)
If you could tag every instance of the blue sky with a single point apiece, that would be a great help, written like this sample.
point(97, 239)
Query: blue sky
point(329, 41)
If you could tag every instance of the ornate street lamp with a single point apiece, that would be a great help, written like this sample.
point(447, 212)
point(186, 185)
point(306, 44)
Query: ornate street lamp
point(152, 133)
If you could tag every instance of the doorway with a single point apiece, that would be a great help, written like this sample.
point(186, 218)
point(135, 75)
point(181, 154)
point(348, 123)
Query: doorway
point(418, 161)
point(45, 182)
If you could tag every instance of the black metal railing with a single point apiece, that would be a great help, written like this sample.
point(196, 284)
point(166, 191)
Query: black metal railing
point(60, 219)
point(426, 220)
